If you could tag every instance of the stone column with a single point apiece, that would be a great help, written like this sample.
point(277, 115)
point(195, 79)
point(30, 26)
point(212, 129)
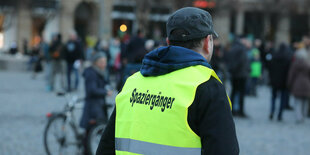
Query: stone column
point(66, 21)
point(267, 24)
point(283, 28)
point(51, 28)
point(308, 23)
point(221, 23)
point(105, 19)
point(10, 33)
point(240, 22)
point(24, 26)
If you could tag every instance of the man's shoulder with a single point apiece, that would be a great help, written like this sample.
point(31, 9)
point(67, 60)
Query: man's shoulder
point(211, 85)
point(89, 71)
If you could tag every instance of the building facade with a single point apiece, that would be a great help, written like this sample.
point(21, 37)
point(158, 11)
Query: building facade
point(20, 20)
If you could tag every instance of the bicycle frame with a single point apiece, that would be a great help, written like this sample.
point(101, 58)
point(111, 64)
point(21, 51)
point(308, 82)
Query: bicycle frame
point(68, 114)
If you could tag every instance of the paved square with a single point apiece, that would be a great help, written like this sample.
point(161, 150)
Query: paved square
point(24, 104)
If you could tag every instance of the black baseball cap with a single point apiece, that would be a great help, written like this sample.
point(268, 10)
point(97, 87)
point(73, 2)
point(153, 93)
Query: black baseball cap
point(197, 23)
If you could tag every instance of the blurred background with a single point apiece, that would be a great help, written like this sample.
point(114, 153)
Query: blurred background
point(36, 62)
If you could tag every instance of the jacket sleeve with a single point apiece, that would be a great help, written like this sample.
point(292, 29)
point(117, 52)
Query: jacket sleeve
point(91, 86)
point(107, 141)
point(210, 118)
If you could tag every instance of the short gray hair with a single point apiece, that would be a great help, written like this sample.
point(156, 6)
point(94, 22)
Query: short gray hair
point(97, 55)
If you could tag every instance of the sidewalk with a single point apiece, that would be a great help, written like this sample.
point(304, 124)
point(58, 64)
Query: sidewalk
point(13, 62)
point(260, 136)
point(24, 104)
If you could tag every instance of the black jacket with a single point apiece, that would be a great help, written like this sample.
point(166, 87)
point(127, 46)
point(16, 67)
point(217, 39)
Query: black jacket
point(278, 67)
point(56, 51)
point(73, 50)
point(135, 50)
point(95, 92)
point(238, 64)
point(209, 116)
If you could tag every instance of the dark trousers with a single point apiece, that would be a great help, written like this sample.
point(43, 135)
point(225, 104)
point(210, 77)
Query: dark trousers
point(238, 87)
point(70, 69)
point(87, 150)
point(309, 108)
point(283, 101)
point(253, 86)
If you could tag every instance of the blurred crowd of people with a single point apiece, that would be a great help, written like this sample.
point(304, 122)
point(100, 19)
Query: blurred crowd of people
point(62, 61)
point(245, 62)
point(249, 62)
point(98, 61)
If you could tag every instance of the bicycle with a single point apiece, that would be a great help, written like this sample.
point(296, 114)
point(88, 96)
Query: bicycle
point(62, 135)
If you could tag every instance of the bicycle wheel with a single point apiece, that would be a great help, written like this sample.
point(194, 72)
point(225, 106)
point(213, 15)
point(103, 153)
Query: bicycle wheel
point(60, 138)
point(94, 137)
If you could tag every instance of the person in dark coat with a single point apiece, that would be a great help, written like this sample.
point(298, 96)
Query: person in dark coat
point(132, 58)
point(239, 71)
point(299, 83)
point(73, 52)
point(278, 67)
point(96, 91)
point(135, 49)
point(95, 108)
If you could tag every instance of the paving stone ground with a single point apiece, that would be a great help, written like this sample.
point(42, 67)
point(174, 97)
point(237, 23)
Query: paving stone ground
point(24, 104)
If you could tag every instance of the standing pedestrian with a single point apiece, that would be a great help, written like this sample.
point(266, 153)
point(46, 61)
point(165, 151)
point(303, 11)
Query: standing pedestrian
point(134, 54)
point(239, 71)
point(299, 82)
point(95, 108)
point(135, 49)
point(58, 64)
point(47, 62)
point(217, 61)
point(175, 104)
point(73, 55)
point(278, 67)
point(115, 53)
point(256, 70)
point(308, 60)
point(104, 48)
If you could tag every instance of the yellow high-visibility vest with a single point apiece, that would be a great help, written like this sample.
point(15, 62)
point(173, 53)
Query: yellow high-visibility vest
point(151, 113)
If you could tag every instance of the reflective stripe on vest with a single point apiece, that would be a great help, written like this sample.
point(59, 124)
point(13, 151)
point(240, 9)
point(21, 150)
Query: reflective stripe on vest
point(140, 147)
point(152, 112)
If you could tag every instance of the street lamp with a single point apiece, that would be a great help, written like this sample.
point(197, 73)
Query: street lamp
point(123, 28)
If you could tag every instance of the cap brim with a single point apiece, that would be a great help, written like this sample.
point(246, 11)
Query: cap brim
point(215, 34)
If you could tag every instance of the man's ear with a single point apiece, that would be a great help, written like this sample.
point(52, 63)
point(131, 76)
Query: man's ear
point(167, 40)
point(206, 44)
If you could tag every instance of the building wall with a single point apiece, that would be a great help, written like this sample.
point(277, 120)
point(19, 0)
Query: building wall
point(282, 33)
point(221, 23)
point(66, 21)
point(105, 19)
point(24, 26)
point(52, 27)
point(10, 33)
point(101, 26)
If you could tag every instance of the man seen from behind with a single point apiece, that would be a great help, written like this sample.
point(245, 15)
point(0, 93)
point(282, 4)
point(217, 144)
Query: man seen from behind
point(175, 104)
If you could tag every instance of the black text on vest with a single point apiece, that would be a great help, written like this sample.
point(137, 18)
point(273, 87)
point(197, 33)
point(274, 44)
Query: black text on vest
point(152, 100)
